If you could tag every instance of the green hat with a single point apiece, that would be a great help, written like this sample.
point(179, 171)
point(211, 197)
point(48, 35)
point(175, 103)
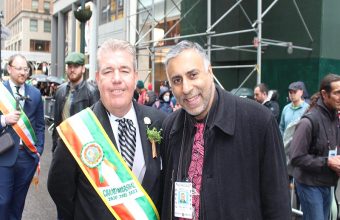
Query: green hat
point(140, 84)
point(75, 58)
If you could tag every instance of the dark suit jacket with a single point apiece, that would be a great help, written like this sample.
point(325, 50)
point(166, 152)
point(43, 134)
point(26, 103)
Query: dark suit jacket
point(34, 109)
point(70, 189)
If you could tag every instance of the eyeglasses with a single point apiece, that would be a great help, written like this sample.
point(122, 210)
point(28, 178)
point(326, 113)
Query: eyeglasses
point(25, 69)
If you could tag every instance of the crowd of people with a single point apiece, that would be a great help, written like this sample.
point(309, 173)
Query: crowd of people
point(190, 151)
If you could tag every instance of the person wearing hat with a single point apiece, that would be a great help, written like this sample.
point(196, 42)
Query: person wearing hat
point(141, 92)
point(294, 110)
point(73, 96)
point(138, 89)
point(164, 100)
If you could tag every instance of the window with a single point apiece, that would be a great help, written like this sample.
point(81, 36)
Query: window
point(19, 45)
point(47, 7)
point(40, 45)
point(120, 9)
point(34, 25)
point(111, 10)
point(35, 5)
point(47, 26)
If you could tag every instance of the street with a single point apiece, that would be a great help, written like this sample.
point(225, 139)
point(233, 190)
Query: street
point(39, 205)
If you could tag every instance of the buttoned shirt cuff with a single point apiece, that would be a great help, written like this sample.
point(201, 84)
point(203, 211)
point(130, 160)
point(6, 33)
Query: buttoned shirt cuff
point(3, 121)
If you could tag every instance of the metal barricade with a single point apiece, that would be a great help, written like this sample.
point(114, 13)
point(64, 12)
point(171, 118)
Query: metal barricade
point(49, 103)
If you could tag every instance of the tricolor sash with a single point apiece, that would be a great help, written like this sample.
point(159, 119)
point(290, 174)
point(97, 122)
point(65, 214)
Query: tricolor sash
point(23, 127)
point(105, 168)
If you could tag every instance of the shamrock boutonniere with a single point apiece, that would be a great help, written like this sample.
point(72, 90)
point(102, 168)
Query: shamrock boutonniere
point(154, 137)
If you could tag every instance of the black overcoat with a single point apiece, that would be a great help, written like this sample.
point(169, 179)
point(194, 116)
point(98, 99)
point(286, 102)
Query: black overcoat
point(244, 174)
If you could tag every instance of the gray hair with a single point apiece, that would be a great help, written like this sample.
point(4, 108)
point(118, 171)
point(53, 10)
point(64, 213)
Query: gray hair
point(114, 45)
point(185, 45)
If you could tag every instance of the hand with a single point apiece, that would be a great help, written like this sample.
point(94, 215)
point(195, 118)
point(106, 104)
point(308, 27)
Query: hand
point(334, 163)
point(12, 117)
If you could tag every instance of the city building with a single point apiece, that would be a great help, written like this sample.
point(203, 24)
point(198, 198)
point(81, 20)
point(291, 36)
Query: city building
point(29, 23)
point(248, 42)
point(142, 23)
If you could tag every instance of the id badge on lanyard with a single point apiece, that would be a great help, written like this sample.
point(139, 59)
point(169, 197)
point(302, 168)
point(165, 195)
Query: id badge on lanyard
point(183, 200)
point(333, 153)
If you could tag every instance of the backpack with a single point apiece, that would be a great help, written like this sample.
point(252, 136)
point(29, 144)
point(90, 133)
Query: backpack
point(290, 130)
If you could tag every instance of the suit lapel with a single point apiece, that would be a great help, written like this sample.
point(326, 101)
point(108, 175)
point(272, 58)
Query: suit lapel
point(146, 145)
point(6, 84)
point(103, 118)
point(150, 164)
point(27, 94)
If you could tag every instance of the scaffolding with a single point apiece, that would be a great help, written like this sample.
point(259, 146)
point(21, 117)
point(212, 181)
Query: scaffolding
point(146, 41)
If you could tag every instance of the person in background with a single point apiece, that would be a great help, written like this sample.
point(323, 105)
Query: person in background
point(224, 151)
point(125, 124)
point(164, 101)
point(296, 108)
point(75, 95)
point(137, 93)
point(142, 92)
point(149, 87)
point(314, 151)
point(150, 98)
point(19, 163)
point(262, 96)
point(305, 95)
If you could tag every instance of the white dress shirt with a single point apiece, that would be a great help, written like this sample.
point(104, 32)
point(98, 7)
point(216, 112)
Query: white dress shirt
point(138, 167)
point(14, 90)
point(21, 92)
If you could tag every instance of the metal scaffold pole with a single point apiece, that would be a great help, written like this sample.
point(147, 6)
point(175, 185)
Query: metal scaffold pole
point(259, 38)
point(145, 40)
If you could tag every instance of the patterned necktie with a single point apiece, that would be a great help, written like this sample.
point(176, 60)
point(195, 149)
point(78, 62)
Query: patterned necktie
point(17, 88)
point(127, 140)
point(17, 95)
point(67, 106)
point(196, 166)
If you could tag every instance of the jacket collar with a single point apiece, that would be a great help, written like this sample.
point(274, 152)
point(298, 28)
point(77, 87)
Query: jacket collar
point(225, 112)
point(78, 86)
point(331, 114)
point(222, 114)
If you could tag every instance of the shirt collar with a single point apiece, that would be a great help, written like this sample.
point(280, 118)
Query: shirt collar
point(297, 107)
point(13, 86)
point(76, 87)
point(223, 110)
point(131, 114)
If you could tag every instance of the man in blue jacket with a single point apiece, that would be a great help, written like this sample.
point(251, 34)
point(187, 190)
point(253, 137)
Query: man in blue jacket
point(18, 164)
point(225, 152)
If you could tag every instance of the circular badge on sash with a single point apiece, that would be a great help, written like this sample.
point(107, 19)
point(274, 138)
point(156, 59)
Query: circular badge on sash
point(92, 155)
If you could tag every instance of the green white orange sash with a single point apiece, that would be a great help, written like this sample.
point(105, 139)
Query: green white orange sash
point(104, 167)
point(23, 127)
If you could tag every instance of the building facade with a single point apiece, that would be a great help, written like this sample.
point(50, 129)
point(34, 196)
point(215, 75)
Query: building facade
point(141, 23)
point(29, 22)
point(29, 25)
